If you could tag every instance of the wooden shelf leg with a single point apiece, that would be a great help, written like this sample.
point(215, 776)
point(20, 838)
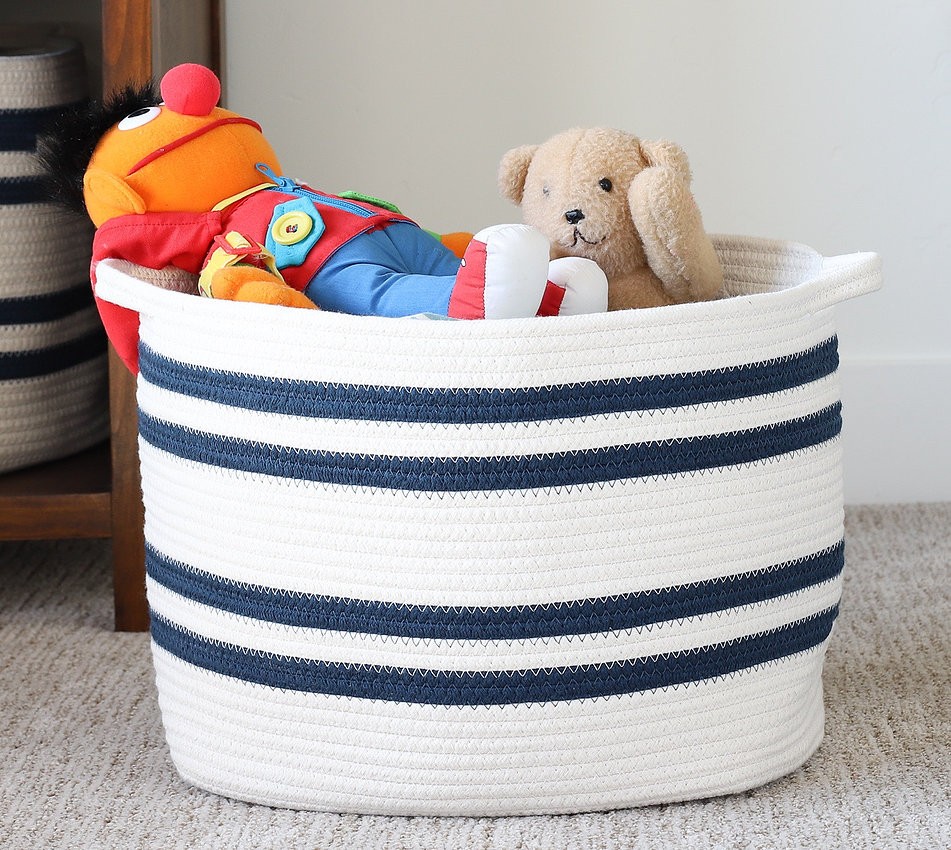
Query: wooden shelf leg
point(128, 514)
point(127, 56)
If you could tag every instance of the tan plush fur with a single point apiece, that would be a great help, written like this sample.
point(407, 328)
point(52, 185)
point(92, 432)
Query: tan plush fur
point(622, 202)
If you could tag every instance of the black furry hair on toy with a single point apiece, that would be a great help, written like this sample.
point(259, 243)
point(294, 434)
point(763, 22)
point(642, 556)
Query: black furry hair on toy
point(66, 145)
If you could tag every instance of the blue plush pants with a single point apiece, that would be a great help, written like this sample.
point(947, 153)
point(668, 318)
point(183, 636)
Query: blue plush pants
point(398, 271)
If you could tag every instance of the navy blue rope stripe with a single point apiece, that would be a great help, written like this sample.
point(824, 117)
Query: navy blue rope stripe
point(20, 127)
point(447, 406)
point(459, 474)
point(439, 687)
point(17, 365)
point(22, 190)
point(31, 309)
point(616, 613)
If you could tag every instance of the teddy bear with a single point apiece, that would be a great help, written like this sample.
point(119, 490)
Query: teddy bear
point(176, 181)
point(625, 203)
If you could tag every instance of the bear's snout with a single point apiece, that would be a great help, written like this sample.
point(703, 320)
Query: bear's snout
point(574, 216)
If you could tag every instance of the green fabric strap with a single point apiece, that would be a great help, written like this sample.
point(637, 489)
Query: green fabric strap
point(350, 195)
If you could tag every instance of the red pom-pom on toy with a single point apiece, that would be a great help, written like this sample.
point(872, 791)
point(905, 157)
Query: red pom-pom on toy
point(190, 89)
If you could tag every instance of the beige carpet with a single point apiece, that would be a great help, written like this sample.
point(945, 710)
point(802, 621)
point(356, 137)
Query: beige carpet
point(83, 761)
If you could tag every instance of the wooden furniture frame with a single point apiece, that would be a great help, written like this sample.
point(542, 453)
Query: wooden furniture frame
point(98, 493)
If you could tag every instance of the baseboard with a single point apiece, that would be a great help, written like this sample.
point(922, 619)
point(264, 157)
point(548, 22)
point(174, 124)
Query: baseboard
point(897, 430)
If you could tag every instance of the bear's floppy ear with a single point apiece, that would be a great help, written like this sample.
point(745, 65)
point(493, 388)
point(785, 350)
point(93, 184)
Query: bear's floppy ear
point(513, 170)
point(667, 154)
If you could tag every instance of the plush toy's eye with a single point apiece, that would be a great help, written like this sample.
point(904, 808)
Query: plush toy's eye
point(605, 184)
point(139, 117)
point(545, 191)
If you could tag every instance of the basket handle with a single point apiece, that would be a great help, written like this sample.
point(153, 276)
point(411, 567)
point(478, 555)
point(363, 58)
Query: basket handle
point(121, 297)
point(136, 288)
point(848, 276)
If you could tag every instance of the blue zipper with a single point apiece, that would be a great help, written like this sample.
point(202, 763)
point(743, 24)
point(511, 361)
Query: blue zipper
point(285, 184)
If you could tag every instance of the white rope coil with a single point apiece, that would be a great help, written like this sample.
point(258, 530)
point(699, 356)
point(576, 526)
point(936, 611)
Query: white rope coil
point(52, 366)
point(40, 72)
point(494, 568)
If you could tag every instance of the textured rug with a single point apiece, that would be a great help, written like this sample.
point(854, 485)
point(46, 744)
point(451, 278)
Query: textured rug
point(83, 762)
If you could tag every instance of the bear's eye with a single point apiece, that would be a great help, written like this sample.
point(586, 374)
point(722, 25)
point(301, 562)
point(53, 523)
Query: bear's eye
point(545, 191)
point(605, 184)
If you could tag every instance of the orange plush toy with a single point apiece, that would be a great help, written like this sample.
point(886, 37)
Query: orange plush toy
point(117, 183)
point(179, 181)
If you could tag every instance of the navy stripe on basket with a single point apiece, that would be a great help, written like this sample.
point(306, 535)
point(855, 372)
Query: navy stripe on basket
point(475, 405)
point(586, 616)
point(18, 365)
point(22, 190)
point(440, 687)
point(32, 309)
point(20, 127)
point(458, 474)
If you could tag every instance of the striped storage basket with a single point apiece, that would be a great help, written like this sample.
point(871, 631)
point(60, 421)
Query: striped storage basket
point(53, 379)
point(500, 567)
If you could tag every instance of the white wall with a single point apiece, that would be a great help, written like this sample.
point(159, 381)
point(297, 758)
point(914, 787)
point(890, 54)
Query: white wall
point(826, 123)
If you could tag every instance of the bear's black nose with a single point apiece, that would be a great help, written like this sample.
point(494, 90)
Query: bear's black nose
point(574, 216)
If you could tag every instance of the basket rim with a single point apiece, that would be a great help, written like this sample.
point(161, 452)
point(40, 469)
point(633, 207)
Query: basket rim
point(817, 282)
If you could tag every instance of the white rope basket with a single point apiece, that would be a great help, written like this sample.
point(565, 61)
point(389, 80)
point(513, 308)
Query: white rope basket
point(53, 384)
point(501, 567)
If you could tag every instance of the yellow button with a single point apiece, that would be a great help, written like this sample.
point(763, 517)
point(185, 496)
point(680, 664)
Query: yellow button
point(291, 228)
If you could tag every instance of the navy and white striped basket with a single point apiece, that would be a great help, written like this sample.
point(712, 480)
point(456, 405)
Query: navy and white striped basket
point(500, 567)
point(53, 375)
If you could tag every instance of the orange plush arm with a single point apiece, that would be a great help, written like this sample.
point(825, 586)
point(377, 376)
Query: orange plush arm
point(456, 242)
point(247, 283)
